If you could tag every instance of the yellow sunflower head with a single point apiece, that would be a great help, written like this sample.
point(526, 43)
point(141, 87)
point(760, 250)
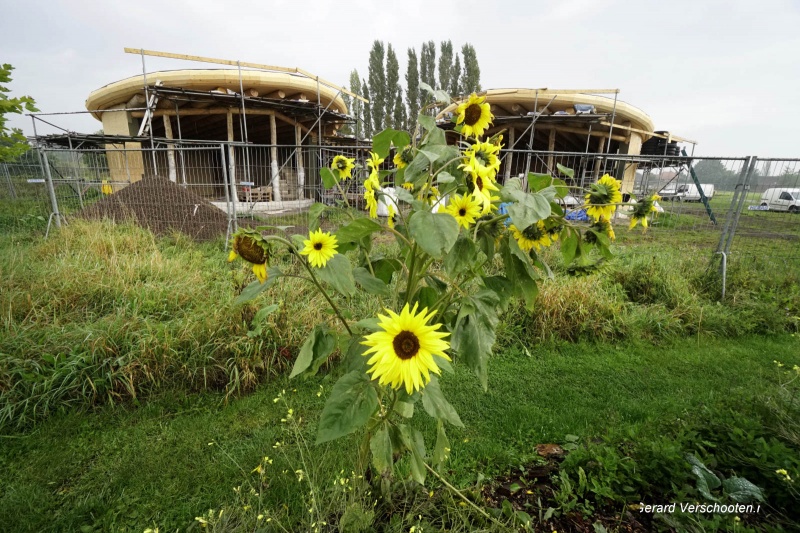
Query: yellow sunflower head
point(481, 160)
point(251, 246)
point(374, 161)
point(391, 218)
point(602, 197)
point(372, 201)
point(482, 188)
point(642, 209)
point(402, 353)
point(474, 116)
point(403, 157)
point(319, 248)
point(465, 209)
point(534, 236)
point(343, 166)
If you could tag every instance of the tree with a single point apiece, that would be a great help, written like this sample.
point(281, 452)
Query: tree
point(367, 110)
point(445, 65)
point(427, 67)
point(455, 79)
point(393, 92)
point(357, 109)
point(471, 76)
point(12, 142)
point(412, 88)
point(377, 85)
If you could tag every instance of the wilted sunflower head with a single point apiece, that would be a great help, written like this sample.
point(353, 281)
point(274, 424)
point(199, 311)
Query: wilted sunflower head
point(343, 166)
point(534, 236)
point(601, 225)
point(250, 246)
point(602, 197)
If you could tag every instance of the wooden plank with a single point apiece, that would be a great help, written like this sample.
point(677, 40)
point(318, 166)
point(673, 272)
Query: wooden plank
point(650, 133)
point(173, 173)
point(301, 171)
point(236, 111)
point(275, 180)
point(202, 59)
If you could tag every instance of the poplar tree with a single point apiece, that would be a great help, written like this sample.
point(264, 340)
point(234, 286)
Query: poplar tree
point(357, 109)
point(445, 65)
point(377, 85)
point(367, 110)
point(393, 92)
point(412, 88)
point(455, 79)
point(427, 68)
point(471, 76)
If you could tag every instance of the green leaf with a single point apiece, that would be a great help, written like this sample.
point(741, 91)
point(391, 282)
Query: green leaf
point(706, 479)
point(440, 96)
point(569, 247)
point(443, 178)
point(435, 405)
point(474, 333)
point(356, 230)
point(405, 409)
point(258, 321)
point(370, 283)
point(354, 359)
point(427, 121)
point(381, 447)
point(537, 182)
point(432, 156)
point(561, 187)
point(329, 179)
point(531, 208)
point(415, 443)
point(441, 451)
point(519, 272)
point(741, 490)
point(351, 404)
point(435, 233)
point(426, 297)
point(255, 288)
point(338, 275)
point(500, 286)
point(314, 212)
point(417, 170)
point(568, 172)
point(461, 257)
point(444, 364)
point(315, 351)
point(385, 268)
point(382, 142)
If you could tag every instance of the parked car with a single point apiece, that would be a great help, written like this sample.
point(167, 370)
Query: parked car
point(688, 192)
point(781, 199)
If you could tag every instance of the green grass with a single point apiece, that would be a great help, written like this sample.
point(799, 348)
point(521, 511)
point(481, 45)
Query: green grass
point(126, 469)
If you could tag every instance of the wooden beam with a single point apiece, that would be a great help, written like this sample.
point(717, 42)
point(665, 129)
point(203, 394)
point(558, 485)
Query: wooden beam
point(301, 171)
point(650, 133)
point(201, 59)
point(509, 156)
point(298, 96)
point(594, 133)
point(551, 146)
point(173, 174)
point(519, 109)
point(218, 111)
point(253, 93)
point(275, 180)
point(276, 94)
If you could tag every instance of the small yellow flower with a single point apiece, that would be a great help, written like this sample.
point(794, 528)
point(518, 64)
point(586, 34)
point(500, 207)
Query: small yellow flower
point(474, 116)
point(105, 188)
point(374, 161)
point(465, 209)
point(320, 248)
point(343, 166)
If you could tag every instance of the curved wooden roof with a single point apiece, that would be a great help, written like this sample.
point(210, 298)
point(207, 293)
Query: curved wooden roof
point(524, 99)
point(120, 92)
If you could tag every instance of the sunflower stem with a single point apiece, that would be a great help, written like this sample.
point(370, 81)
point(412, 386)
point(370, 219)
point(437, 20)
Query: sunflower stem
point(461, 495)
point(328, 298)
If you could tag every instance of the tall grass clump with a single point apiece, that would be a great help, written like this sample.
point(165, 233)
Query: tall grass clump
point(104, 313)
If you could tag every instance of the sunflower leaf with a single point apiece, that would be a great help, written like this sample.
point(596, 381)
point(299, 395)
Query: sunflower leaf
point(381, 447)
point(427, 122)
point(474, 333)
point(314, 212)
point(441, 452)
point(385, 268)
point(444, 178)
point(315, 351)
point(435, 405)
point(460, 257)
point(741, 490)
point(501, 286)
point(352, 402)
point(415, 443)
point(417, 170)
point(519, 272)
point(338, 274)
point(435, 233)
point(382, 142)
point(328, 178)
point(255, 288)
point(357, 229)
point(531, 208)
point(569, 247)
point(568, 172)
point(537, 182)
point(370, 283)
point(354, 358)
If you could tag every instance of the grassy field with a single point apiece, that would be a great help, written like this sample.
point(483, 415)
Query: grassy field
point(134, 394)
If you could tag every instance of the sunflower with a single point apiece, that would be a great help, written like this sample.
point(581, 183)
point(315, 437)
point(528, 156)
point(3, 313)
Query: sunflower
point(320, 247)
point(602, 197)
point(402, 353)
point(343, 166)
point(642, 209)
point(374, 161)
point(601, 225)
point(392, 216)
point(534, 236)
point(105, 188)
point(408, 186)
point(474, 115)
point(251, 246)
point(481, 160)
point(465, 209)
point(482, 189)
point(403, 157)
point(372, 202)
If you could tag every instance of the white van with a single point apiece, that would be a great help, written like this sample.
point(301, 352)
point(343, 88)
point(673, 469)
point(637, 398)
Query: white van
point(779, 199)
point(688, 192)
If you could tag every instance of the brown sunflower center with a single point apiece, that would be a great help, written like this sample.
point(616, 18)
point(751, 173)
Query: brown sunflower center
point(406, 345)
point(318, 246)
point(479, 183)
point(462, 212)
point(250, 250)
point(533, 232)
point(341, 165)
point(472, 114)
point(483, 157)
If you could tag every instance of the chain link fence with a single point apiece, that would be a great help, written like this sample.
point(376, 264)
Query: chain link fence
point(735, 208)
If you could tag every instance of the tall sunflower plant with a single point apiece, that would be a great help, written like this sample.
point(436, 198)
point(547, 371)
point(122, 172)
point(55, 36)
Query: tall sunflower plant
point(466, 245)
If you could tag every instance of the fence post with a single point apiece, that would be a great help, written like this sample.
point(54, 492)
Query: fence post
point(736, 192)
point(742, 196)
point(11, 191)
point(51, 191)
point(230, 191)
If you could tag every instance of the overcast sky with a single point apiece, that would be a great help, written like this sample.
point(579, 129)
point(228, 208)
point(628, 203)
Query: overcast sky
point(724, 73)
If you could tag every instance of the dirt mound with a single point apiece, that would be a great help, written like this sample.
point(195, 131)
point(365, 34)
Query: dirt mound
point(163, 207)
